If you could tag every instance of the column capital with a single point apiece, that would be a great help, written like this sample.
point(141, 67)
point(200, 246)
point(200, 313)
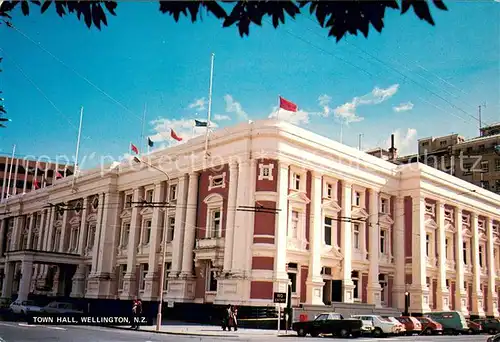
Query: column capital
point(283, 164)
point(193, 174)
point(440, 203)
point(316, 174)
point(233, 164)
point(346, 183)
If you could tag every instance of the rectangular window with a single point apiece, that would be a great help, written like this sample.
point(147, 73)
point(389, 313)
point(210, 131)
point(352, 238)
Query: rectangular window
point(384, 208)
point(173, 192)
point(356, 237)
point(123, 271)
point(125, 234)
point(485, 166)
point(142, 280)
point(74, 239)
point(147, 232)
point(357, 199)
point(497, 164)
point(296, 181)
point(329, 191)
point(170, 229)
point(328, 231)
point(211, 279)
point(382, 241)
point(168, 266)
point(128, 201)
point(149, 196)
point(265, 171)
point(446, 247)
point(293, 279)
point(356, 282)
point(294, 225)
point(480, 256)
point(217, 182)
point(427, 244)
point(465, 252)
point(215, 224)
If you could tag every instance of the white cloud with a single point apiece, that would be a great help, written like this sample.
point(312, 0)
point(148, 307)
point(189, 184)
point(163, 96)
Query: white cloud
point(221, 117)
point(296, 118)
point(324, 101)
point(348, 111)
point(198, 104)
point(403, 107)
point(235, 107)
point(184, 128)
point(404, 141)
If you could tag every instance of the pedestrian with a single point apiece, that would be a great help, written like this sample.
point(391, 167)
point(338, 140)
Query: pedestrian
point(136, 312)
point(235, 318)
point(226, 321)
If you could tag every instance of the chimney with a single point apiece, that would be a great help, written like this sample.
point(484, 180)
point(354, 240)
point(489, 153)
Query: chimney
point(392, 150)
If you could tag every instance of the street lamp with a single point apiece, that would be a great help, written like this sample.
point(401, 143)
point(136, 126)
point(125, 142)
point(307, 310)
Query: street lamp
point(407, 304)
point(162, 269)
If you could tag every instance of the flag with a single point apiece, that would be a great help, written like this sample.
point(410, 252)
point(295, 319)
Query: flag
point(175, 136)
point(36, 184)
point(134, 148)
point(150, 142)
point(287, 105)
point(198, 123)
point(58, 175)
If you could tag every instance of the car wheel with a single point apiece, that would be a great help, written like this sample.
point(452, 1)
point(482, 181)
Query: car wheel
point(301, 332)
point(428, 331)
point(377, 332)
point(344, 333)
point(491, 331)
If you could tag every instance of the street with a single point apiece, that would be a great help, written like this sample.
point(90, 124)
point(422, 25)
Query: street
point(20, 332)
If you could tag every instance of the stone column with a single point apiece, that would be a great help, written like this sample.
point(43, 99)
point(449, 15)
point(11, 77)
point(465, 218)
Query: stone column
point(62, 242)
point(492, 294)
point(399, 254)
point(231, 214)
point(241, 220)
point(346, 244)
point(374, 289)
point(443, 295)
point(49, 237)
point(83, 228)
point(190, 227)
point(419, 298)
point(97, 234)
point(151, 290)
point(281, 281)
point(129, 280)
point(180, 218)
point(43, 231)
point(477, 295)
point(25, 283)
point(8, 280)
point(315, 281)
point(16, 232)
point(460, 293)
point(30, 230)
point(78, 287)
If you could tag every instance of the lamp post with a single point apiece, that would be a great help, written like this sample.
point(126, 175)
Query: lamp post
point(164, 247)
point(407, 304)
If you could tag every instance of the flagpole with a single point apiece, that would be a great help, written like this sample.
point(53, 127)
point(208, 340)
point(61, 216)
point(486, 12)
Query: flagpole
point(10, 169)
point(278, 110)
point(75, 168)
point(142, 129)
point(341, 130)
point(209, 103)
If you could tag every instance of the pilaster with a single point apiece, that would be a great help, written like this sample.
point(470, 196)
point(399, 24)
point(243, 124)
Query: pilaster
point(443, 295)
point(374, 289)
point(3, 232)
point(8, 280)
point(346, 244)
point(180, 218)
point(315, 282)
point(30, 230)
point(231, 215)
point(477, 294)
point(419, 291)
point(460, 293)
point(492, 294)
point(25, 283)
point(151, 290)
point(43, 231)
point(399, 254)
point(64, 230)
point(281, 276)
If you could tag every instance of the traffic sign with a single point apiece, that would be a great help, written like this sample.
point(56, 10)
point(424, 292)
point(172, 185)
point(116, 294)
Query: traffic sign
point(280, 297)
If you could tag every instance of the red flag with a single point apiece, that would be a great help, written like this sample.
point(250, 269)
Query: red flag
point(175, 136)
point(36, 185)
point(58, 175)
point(287, 105)
point(134, 148)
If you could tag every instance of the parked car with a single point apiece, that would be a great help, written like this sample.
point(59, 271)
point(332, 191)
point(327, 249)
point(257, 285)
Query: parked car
point(412, 325)
point(23, 307)
point(490, 325)
point(474, 328)
point(495, 338)
point(61, 308)
point(331, 323)
point(453, 322)
point(400, 327)
point(430, 326)
point(383, 326)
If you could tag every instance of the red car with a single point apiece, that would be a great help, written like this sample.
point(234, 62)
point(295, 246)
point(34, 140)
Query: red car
point(412, 325)
point(474, 328)
point(429, 326)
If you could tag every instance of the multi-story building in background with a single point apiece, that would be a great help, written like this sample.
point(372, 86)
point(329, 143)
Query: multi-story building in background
point(23, 173)
point(475, 160)
point(272, 208)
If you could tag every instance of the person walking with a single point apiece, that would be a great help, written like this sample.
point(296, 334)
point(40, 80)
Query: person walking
point(136, 312)
point(235, 317)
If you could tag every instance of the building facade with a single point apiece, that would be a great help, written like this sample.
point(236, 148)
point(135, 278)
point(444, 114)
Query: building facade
point(270, 206)
point(23, 173)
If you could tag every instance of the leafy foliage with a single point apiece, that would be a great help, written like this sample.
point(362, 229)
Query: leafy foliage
point(338, 17)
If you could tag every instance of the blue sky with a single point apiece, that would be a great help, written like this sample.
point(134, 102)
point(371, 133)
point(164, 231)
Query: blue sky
point(436, 77)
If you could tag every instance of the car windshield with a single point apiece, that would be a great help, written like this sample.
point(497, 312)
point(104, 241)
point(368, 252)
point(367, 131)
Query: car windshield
point(28, 303)
point(386, 319)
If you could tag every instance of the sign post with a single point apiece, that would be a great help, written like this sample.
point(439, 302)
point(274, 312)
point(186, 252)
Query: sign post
point(279, 298)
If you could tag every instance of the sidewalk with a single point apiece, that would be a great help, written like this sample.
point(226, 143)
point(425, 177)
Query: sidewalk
point(182, 328)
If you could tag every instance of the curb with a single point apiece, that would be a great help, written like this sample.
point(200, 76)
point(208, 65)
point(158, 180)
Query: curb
point(181, 333)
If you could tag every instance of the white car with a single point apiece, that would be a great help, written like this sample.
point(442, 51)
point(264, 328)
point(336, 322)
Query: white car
point(383, 326)
point(61, 308)
point(400, 326)
point(23, 307)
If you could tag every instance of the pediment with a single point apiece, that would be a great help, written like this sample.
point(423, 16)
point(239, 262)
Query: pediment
point(331, 205)
point(359, 213)
point(146, 211)
point(75, 221)
point(299, 197)
point(385, 219)
point(126, 214)
point(430, 223)
point(450, 228)
point(332, 251)
point(466, 232)
point(214, 198)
